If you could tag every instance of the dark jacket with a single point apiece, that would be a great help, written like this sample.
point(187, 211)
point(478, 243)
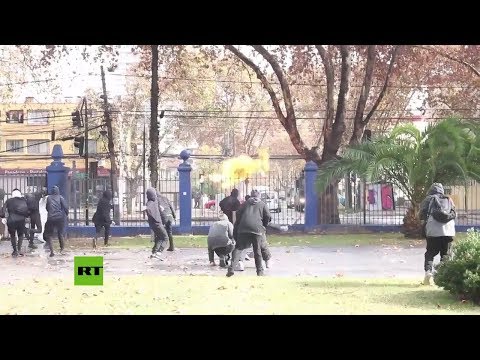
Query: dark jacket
point(102, 215)
point(57, 207)
point(32, 201)
point(153, 210)
point(253, 218)
point(17, 209)
point(230, 204)
point(167, 209)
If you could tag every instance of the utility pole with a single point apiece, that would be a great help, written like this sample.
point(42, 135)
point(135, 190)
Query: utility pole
point(154, 131)
point(87, 220)
point(111, 151)
point(144, 162)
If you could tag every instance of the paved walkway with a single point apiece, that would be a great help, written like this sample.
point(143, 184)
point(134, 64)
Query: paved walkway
point(361, 262)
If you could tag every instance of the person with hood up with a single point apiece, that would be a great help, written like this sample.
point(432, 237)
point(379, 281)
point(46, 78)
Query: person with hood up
point(57, 210)
point(252, 221)
point(13, 214)
point(155, 223)
point(33, 200)
point(101, 218)
point(220, 240)
point(439, 231)
point(230, 204)
point(167, 212)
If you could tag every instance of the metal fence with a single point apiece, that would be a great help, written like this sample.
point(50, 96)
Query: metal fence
point(85, 194)
point(356, 203)
point(279, 190)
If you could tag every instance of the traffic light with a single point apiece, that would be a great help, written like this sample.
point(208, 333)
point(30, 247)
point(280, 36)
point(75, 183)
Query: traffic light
point(79, 143)
point(76, 120)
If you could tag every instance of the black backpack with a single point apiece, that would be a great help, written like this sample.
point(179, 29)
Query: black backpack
point(441, 209)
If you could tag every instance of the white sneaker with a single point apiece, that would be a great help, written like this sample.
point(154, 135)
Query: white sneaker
point(428, 278)
point(240, 266)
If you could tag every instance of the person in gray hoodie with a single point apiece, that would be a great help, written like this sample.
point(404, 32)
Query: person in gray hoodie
point(220, 240)
point(155, 223)
point(439, 235)
point(167, 212)
point(57, 209)
point(252, 221)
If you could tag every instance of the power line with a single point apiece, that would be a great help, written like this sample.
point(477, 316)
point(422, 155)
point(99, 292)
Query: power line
point(296, 84)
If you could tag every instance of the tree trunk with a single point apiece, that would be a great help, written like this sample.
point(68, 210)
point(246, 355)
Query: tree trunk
point(154, 131)
point(328, 205)
point(412, 225)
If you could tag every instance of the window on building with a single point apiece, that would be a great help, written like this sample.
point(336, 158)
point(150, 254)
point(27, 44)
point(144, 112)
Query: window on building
point(38, 117)
point(37, 147)
point(92, 146)
point(15, 117)
point(15, 146)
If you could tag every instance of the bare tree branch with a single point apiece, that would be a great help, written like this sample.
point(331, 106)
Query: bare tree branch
point(385, 85)
point(263, 79)
point(471, 67)
point(287, 96)
point(330, 76)
point(334, 140)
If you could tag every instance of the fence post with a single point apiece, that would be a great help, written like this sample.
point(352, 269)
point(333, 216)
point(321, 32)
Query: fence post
point(57, 172)
point(311, 198)
point(185, 190)
point(57, 175)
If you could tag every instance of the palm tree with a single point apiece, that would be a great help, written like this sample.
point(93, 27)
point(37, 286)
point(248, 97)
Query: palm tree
point(447, 152)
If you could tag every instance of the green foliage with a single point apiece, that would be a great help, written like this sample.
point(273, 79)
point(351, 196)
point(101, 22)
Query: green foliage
point(461, 274)
point(447, 152)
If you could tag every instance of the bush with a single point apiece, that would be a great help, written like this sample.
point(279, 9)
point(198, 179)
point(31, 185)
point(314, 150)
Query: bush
point(461, 274)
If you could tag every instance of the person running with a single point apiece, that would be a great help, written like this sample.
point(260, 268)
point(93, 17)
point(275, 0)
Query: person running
point(220, 240)
point(57, 210)
point(101, 218)
point(14, 213)
point(252, 221)
point(439, 213)
point(155, 223)
point(33, 200)
point(167, 212)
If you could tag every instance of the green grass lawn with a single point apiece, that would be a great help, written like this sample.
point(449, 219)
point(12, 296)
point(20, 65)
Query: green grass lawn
point(273, 240)
point(237, 295)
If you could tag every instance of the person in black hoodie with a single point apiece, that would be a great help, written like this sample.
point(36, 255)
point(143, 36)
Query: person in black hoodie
point(33, 200)
point(57, 210)
point(101, 218)
point(250, 228)
point(155, 223)
point(15, 210)
point(230, 204)
point(167, 212)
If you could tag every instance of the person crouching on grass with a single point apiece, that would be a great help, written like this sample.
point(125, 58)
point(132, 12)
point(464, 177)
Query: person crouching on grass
point(220, 240)
point(155, 223)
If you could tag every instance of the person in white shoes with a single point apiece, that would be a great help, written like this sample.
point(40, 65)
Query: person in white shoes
point(438, 211)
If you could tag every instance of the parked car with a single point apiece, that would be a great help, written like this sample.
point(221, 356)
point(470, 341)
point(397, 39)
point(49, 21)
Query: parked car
point(271, 199)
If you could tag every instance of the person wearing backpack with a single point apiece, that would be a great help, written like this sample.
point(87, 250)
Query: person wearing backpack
point(438, 211)
point(13, 214)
